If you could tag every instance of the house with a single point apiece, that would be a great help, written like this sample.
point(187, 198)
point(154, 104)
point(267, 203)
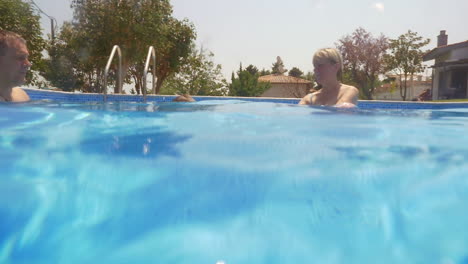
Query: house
point(285, 86)
point(415, 84)
point(450, 69)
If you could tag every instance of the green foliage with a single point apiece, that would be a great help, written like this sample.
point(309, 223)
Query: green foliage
point(310, 76)
point(405, 57)
point(134, 26)
point(179, 35)
point(295, 72)
point(264, 72)
point(363, 60)
point(198, 75)
point(246, 83)
point(18, 16)
point(252, 69)
point(350, 79)
point(63, 69)
point(278, 67)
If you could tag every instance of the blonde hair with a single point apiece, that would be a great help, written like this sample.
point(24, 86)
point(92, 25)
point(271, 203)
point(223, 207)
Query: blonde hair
point(331, 55)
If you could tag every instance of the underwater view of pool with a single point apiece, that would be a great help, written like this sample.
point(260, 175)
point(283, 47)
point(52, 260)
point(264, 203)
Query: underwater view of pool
point(231, 182)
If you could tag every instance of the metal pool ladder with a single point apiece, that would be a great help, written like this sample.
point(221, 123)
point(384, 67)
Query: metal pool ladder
point(151, 56)
point(119, 71)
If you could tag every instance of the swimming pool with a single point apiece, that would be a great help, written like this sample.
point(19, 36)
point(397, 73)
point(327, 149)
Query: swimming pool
point(231, 181)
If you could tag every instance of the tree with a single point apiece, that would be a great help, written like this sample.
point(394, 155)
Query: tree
point(198, 75)
point(19, 17)
point(278, 66)
point(363, 60)
point(62, 68)
point(134, 26)
point(252, 69)
point(310, 76)
point(295, 72)
point(246, 83)
point(264, 72)
point(405, 58)
point(179, 36)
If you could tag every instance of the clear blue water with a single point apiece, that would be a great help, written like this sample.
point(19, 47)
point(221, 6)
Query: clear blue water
point(231, 182)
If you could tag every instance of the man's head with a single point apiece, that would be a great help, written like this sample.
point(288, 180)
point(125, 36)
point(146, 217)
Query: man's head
point(184, 98)
point(14, 63)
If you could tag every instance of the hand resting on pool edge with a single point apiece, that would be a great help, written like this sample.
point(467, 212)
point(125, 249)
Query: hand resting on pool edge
point(328, 65)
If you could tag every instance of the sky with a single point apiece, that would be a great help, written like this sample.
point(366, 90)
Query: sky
point(257, 31)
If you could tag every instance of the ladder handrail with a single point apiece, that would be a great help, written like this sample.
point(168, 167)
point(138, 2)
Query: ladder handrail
point(151, 55)
point(116, 48)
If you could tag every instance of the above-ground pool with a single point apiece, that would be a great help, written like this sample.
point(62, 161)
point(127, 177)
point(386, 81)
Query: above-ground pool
point(231, 182)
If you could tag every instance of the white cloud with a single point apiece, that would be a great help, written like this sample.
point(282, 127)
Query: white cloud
point(379, 6)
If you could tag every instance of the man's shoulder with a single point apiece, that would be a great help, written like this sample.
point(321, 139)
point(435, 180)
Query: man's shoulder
point(19, 95)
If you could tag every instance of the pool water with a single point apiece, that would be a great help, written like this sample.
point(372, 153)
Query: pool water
point(231, 182)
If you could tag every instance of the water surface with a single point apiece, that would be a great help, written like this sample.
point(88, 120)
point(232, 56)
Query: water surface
point(231, 181)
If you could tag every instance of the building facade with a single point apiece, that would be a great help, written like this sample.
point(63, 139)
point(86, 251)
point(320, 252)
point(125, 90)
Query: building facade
point(450, 69)
point(283, 86)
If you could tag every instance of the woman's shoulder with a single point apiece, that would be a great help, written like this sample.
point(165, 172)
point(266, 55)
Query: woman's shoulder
point(309, 98)
point(349, 88)
point(348, 94)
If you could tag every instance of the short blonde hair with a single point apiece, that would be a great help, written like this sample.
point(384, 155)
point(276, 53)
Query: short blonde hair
point(331, 55)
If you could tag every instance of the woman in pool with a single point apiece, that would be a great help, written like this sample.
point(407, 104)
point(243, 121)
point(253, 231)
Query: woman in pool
point(328, 66)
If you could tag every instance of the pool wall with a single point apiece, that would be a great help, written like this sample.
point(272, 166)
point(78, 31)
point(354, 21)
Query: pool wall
point(38, 94)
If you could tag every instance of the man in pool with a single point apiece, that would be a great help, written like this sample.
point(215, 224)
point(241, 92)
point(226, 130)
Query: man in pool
point(14, 65)
point(184, 98)
point(328, 65)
